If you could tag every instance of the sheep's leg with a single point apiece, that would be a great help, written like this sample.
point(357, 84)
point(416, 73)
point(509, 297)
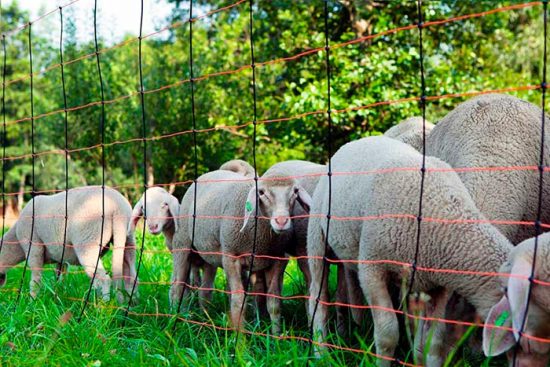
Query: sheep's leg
point(341, 297)
point(195, 276)
point(274, 276)
point(88, 254)
point(208, 277)
point(304, 268)
point(180, 271)
point(232, 269)
point(355, 295)
point(318, 289)
point(36, 265)
point(386, 329)
point(260, 286)
point(435, 308)
point(129, 266)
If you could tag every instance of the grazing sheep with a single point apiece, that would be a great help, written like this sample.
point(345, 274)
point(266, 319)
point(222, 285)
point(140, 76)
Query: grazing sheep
point(514, 303)
point(409, 131)
point(83, 236)
point(238, 166)
point(456, 245)
point(219, 208)
point(497, 130)
point(162, 210)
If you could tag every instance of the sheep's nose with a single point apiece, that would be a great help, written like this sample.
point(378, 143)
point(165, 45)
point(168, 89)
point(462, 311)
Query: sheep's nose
point(153, 227)
point(281, 221)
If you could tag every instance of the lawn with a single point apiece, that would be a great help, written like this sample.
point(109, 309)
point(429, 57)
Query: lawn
point(47, 330)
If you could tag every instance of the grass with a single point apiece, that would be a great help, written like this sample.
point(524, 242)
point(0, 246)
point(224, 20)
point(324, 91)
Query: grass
point(46, 331)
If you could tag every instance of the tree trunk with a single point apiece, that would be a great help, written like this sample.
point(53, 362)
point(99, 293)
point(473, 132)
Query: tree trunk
point(150, 174)
point(21, 194)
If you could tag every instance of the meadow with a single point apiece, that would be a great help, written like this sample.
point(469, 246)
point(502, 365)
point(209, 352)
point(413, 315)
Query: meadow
point(47, 330)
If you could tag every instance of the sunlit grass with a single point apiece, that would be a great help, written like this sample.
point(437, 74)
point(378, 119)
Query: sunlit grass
point(46, 331)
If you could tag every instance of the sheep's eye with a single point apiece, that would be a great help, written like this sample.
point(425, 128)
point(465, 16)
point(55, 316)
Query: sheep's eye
point(296, 190)
point(261, 192)
point(164, 205)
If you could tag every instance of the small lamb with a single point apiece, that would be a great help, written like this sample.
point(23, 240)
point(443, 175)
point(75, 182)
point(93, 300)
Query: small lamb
point(83, 245)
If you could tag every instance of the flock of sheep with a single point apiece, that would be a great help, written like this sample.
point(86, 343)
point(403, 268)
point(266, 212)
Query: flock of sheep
point(373, 195)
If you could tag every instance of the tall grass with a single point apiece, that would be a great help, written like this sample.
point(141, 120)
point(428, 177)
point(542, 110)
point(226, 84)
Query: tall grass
point(46, 331)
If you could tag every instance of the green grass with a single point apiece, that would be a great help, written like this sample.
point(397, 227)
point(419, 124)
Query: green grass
point(46, 331)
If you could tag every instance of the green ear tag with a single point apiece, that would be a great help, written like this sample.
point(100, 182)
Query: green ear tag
point(248, 206)
point(502, 318)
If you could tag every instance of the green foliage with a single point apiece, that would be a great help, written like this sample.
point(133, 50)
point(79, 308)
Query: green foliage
point(500, 50)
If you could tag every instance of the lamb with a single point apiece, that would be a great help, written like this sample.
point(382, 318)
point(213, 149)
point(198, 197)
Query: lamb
point(497, 130)
point(83, 237)
point(394, 195)
point(162, 210)
point(227, 196)
point(277, 183)
point(514, 304)
point(410, 131)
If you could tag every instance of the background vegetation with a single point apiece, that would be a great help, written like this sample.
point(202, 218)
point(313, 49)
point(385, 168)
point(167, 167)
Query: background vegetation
point(500, 50)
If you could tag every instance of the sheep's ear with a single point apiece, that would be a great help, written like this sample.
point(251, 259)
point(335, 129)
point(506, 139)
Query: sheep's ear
point(304, 198)
point(518, 291)
point(497, 340)
point(174, 206)
point(2, 280)
point(249, 206)
point(136, 214)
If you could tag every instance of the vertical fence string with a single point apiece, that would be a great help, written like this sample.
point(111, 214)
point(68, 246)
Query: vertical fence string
point(66, 122)
point(33, 190)
point(102, 132)
point(144, 140)
point(537, 224)
point(195, 156)
point(423, 168)
point(4, 137)
point(326, 265)
point(257, 196)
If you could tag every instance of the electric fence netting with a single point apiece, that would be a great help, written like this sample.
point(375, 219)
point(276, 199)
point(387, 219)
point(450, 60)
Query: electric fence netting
point(95, 133)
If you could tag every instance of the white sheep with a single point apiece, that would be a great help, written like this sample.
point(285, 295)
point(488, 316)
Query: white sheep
point(238, 166)
point(83, 236)
point(277, 184)
point(510, 310)
point(457, 246)
point(497, 130)
point(219, 229)
point(410, 131)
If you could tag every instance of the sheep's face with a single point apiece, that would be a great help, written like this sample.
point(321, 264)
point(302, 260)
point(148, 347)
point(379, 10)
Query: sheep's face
point(512, 308)
point(160, 208)
point(277, 200)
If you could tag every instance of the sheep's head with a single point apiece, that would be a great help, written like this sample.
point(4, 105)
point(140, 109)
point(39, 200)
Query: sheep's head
point(510, 311)
point(160, 209)
point(277, 198)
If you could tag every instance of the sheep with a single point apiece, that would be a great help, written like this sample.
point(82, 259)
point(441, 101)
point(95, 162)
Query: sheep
point(514, 304)
point(277, 183)
point(238, 166)
point(410, 131)
point(464, 246)
point(84, 218)
point(162, 209)
point(497, 130)
point(219, 229)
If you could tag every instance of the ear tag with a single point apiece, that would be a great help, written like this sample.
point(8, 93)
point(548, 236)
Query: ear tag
point(248, 206)
point(501, 320)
